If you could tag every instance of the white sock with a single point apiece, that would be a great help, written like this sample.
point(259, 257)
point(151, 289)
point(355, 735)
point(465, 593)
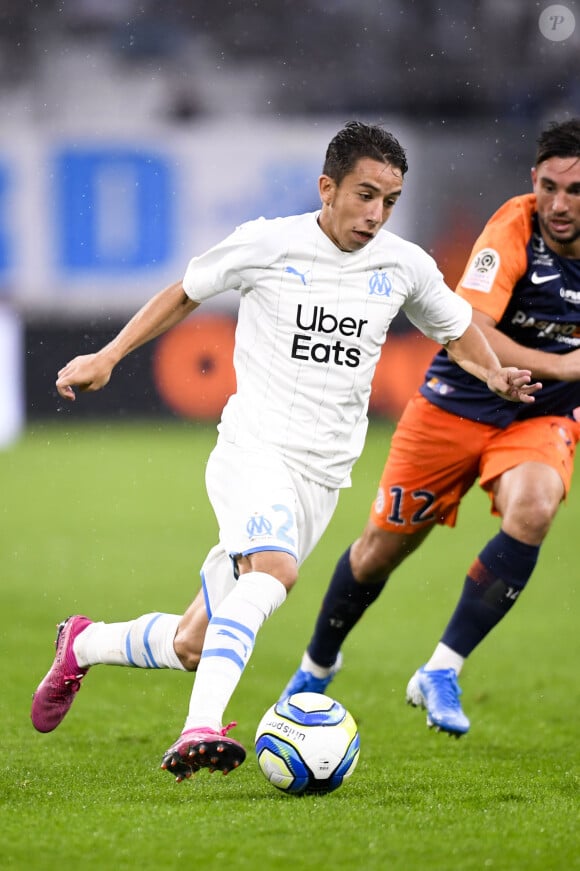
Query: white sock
point(312, 667)
point(445, 657)
point(228, 645)
point(146, 642)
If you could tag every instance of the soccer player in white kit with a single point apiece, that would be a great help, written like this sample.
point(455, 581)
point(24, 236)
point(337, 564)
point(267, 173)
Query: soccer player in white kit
point(318, 292)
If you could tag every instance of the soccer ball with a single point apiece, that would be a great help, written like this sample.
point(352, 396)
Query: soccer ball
point(308, 743)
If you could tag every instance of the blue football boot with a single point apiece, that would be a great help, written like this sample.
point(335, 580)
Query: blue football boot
point(438, 692)
point(305, 682)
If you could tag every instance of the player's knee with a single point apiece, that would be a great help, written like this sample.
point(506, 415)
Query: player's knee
point(280, 565)
point(287, 574)
point(528, 497)
point(531, 520)
point(542, 518)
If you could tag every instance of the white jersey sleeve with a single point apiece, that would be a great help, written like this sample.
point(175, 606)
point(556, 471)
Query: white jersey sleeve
point(311, 325)
point(430, 307)
point(228, 265)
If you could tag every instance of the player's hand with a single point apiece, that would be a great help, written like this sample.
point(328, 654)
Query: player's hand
point(88, 372)
point(514, 384)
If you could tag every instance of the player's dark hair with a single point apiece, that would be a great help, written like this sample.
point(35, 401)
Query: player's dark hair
point(357, 140)
point(559, 140)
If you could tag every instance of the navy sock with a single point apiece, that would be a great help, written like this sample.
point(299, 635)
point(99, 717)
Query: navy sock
point(344, 604)
point(491, 588)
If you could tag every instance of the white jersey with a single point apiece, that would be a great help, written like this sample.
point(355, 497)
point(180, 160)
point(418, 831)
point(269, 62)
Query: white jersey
point(311, 324)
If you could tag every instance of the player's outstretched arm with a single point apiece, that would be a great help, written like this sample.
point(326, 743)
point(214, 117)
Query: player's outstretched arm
point(473, 353)
point(93, 371)
point(544, 365)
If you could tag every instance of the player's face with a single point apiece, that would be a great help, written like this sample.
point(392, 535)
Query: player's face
point(354, 211)
point(557, 189)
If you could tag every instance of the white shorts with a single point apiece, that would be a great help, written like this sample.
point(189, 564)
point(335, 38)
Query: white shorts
point(260, 504)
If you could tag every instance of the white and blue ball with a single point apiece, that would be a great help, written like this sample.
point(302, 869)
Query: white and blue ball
point(308, 743)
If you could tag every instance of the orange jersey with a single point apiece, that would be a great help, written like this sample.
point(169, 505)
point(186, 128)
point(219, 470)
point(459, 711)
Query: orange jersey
point(534, 297)
point(498, 260)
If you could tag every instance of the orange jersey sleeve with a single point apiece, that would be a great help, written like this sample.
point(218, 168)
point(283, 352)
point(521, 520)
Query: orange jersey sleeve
point(499, 257)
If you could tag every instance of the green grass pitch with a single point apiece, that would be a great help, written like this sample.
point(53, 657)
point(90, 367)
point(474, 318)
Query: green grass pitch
point(113, 521)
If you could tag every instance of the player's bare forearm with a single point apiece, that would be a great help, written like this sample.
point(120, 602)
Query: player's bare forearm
point(93, 371)
point(473, 353)
point(163, 311)
point(542, 364)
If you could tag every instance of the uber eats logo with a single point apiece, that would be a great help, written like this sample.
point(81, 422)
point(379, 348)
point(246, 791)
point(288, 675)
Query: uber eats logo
point(318, 323)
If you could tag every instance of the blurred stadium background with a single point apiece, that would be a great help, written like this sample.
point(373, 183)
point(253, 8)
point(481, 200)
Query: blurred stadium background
point(136, 133)
point(133, 135)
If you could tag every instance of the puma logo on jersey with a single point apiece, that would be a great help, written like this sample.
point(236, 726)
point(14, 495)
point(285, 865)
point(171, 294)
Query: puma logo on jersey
point(301, 275)
point(542, 279)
